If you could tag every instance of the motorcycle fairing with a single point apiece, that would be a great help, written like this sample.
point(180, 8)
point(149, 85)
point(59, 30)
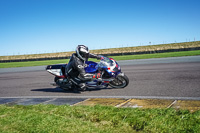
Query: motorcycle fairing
point(57, 70)
point(91, 67)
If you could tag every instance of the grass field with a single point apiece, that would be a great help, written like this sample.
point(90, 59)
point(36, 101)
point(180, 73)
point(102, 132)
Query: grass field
point(110, 50)
point(126, 57)
point(101, 119)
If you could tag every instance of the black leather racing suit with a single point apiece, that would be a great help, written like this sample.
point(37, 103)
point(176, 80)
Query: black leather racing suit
point(75, 69)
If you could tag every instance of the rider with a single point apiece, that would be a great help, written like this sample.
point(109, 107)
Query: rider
point(75, 68)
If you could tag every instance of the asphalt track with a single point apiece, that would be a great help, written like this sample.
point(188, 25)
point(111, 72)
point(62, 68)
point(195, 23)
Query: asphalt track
point(164, 78)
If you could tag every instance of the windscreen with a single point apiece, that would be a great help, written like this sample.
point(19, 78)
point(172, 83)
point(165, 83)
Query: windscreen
point(105, 62)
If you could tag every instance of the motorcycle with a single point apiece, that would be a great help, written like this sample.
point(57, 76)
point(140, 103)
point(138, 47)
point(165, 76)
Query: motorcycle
point(111, 75)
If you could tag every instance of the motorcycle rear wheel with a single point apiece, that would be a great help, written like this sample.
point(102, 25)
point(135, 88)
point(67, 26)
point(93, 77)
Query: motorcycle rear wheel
point(60, 85)
point(120, 81)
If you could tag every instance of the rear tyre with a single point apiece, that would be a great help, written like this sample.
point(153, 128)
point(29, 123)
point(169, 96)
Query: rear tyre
point(120, 81)
point(62, 85)
point(56, 79)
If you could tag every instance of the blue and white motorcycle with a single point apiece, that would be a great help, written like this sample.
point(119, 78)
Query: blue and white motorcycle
point(111, 75)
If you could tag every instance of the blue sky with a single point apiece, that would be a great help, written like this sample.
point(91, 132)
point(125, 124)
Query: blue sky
point(46, 26)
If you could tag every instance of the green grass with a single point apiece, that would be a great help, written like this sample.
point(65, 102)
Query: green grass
point(32, 63)
point(126, 57)
point(158, 47)
point(158, 55)
point(101, 119)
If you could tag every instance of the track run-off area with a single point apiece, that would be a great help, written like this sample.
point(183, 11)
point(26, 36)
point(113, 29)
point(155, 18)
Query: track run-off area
point(174, 78)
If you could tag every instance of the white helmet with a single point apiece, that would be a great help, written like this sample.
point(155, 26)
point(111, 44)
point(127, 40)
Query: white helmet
point(82, 52)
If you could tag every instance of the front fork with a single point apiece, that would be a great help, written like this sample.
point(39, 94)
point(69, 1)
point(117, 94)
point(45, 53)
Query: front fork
point(120, 74)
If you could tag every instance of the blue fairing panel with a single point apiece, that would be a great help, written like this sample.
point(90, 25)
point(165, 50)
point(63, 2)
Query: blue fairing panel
point(90, 67)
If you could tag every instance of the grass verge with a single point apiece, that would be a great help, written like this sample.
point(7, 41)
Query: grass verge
point(183, 45)
point(32, 63)
point(105, 119)
point(125, 57)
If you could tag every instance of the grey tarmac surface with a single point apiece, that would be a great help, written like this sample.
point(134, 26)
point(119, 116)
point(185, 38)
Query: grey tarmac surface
point(164, 78)
point(123, 62)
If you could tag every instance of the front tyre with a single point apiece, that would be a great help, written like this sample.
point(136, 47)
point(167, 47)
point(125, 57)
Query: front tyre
point(120, 81)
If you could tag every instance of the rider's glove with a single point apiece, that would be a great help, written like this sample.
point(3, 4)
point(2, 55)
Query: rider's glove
point(99, 57)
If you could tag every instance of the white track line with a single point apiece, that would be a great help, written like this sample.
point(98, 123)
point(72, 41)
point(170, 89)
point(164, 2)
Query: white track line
point(126, 97)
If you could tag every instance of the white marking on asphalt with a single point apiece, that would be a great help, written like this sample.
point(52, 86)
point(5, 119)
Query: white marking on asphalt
point(125, 97)
point(49, 100)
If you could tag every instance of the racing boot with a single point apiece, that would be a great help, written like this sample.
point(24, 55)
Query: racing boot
point(82, 86)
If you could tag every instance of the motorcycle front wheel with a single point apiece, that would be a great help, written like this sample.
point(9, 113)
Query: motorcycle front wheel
point(120, 81)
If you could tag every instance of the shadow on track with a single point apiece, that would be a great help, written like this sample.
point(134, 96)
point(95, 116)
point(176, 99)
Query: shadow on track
point(56, 90)
point(75, 90)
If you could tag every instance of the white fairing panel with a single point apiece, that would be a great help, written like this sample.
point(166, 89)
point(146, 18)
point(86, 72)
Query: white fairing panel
point(56, 72)
point(113, 65)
